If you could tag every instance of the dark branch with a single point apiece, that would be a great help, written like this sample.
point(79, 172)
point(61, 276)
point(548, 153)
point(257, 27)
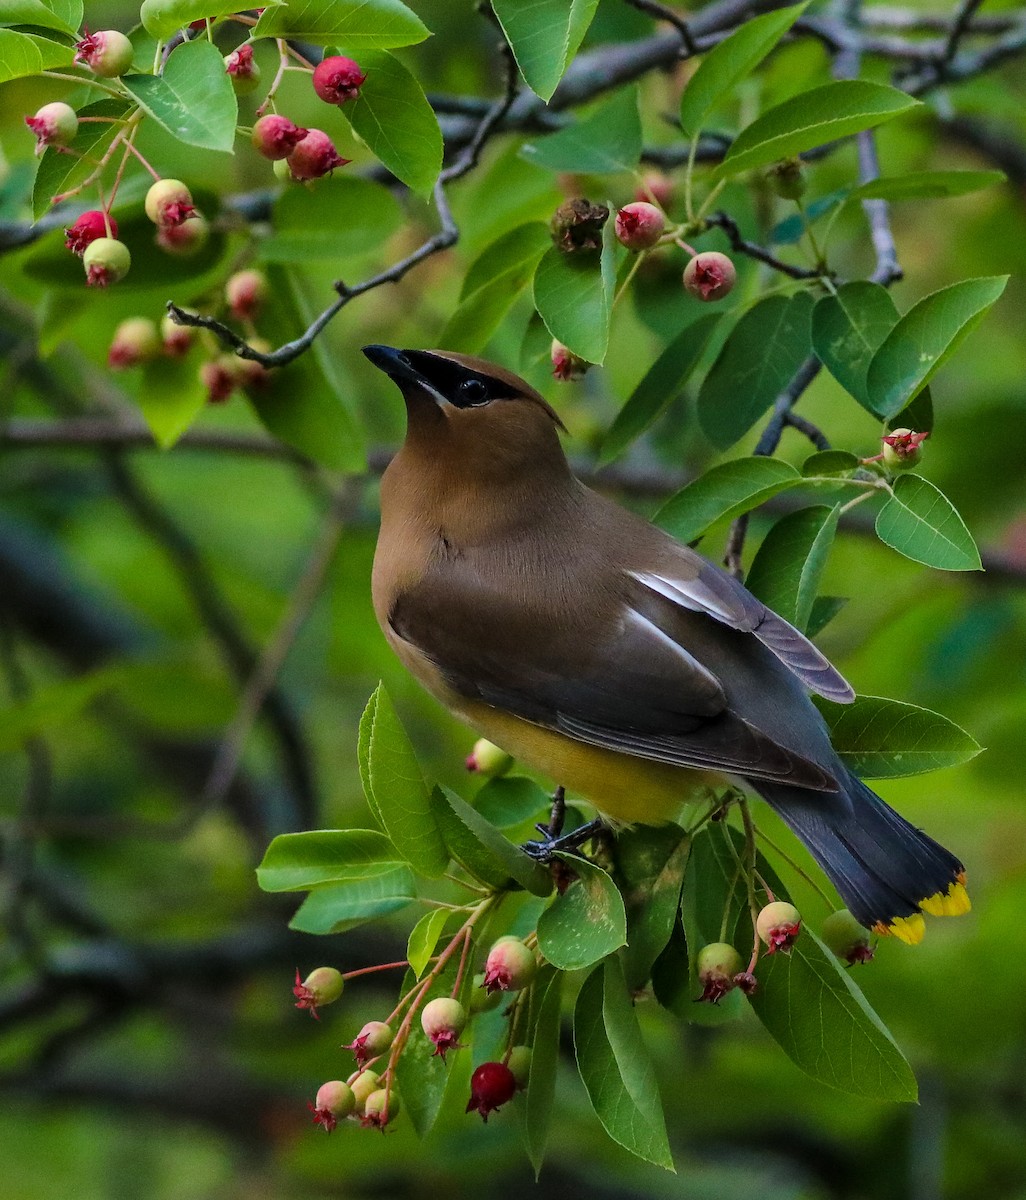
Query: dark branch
point(721, 220)
point(662, 13)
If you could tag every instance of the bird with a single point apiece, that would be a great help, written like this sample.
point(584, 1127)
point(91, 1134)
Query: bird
point(601, 652)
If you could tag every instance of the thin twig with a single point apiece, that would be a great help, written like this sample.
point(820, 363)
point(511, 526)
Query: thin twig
point(740, 245)
point(662, 13)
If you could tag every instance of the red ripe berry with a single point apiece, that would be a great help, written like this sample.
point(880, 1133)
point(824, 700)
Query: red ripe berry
point(89, 226)
point(491, 1085)
point(337, 79)
point(315, 156)
point(709, 276)
point(639, 226)
point(276, 137)
point(107, 53)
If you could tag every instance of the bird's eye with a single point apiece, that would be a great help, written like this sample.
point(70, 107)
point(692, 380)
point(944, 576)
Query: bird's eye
point(473, 391)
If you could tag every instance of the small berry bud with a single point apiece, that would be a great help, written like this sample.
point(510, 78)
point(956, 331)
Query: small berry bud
point(54, 125)
point(656, 187)
point(488, 759)
point(337, 79)
point(509, 967)
point(335, 1101)
point(787, 178)
point(219, 378)
point(135, 341)
point(315, 156)
point(480, 1000)
point(519, 1062)
point(577, 225)
point(106, 261)
point(242, 70)
point(107, 53)
point(847, 938)
point(639, 226)
point(443, 1020)
point(89, 226)
point(373, 1039)
point(778, 924)
point(380, 1109)
point(185, 239)
point(169, 203)
point(566, 365)
point(177, 339)
point(276, 137)
point(364, 1085)
point(709, 276)
point(325, 984)
point(245, 292)
point(902, 449)
point(717, 965)
point(491, 1085)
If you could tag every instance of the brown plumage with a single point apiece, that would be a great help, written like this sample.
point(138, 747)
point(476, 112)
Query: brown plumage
point(602, 652)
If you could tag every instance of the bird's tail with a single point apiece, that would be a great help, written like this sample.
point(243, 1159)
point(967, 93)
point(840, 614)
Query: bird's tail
point(887, 872)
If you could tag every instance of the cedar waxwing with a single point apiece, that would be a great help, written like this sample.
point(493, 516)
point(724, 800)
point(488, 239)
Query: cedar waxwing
point(595, 648)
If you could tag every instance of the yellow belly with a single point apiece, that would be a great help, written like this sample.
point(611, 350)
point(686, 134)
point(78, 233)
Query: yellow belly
point(628, 789)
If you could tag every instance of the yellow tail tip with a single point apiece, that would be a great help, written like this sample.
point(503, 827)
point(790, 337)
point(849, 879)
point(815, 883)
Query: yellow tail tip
point(909, 930)
point(952, 903)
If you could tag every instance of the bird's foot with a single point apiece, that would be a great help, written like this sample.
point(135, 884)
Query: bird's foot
point(545, 850)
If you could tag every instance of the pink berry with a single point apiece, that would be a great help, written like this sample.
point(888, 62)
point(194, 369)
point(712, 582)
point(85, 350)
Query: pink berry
point(491, 1086)
point(337, 79)
point(639, 226)
point(242, 70)
point(509, 967)
point(106, 261)
point(135, 341)
point(89, 226)
point(169, 203)
point(246, 292)
point(778, 924)
point(275, 137)
point(565, 364)
point(709, 276)
point(185, 239)
point(443, 1020)
point(323, 985)
point(315, 156)
point(54, 125)
point(373, 1039)
point(177, 339)
point(335, 1101)
point(218, 377)
point(107, 53)
point(656, 187)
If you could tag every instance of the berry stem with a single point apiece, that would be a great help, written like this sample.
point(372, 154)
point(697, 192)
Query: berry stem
point(639, 259)
point(463, 965)
point(130, 146)
point(370, 970)
point(710, 200)
point(283, 62)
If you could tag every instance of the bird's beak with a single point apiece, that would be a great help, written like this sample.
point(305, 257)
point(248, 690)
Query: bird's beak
point(396, 365)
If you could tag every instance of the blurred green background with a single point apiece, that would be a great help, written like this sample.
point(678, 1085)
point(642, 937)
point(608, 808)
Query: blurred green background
point(148, 1044)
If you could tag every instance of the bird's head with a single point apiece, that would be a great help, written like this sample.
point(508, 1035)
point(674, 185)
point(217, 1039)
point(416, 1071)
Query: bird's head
point(473, 413)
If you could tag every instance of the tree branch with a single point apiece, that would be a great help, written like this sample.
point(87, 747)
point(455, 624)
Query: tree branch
point(722, 220)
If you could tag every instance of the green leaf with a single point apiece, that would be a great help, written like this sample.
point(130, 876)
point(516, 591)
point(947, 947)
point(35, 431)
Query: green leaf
point(723, 493)
point(727, 63)
point(63, 15)
point(423, 939)
point(926, 185)
point(493, 283)
point(573, 295)
point(616, 1068)
point(544, 36)
point(810, 1005)
point(658, 387)
point(538, 1100)
point(758, 360)
point(363, 753)
point(162, 18)
point(171, 396)
point(296, 862)
point(479, 847)
point(925, 338)
point(511, 801)
point(650, 865)
point(887, 739)
point(309, 226)
point(356, 24)
point(53, 706)
point(19, 56)
point(824, 609)
point(338, 907)
point(400, 795)
point(584, 923)
point(606, 142)
point(786, 571)
point(829, 462)
point(847, 330)
point(59, 172)
point(920, 522)
point(917, 414)
point(792, 229)
point(392, 115)
point(810, 119)
point(194, 99)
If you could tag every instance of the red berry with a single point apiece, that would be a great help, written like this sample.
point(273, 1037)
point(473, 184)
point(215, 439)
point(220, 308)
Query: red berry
point(242, 70)
point(177, 339)
point(566, 365)
point(185, 239)
point(709, 276)
point(54, 125)
point(337, 79)
point(106, 261)
point(169, 203)
point(717, 966)
point(639, 226)
point(107, 53)
point(779, 924)
point(373, 1039)
point(491, 1085)
point(276, 137)
point(135, 341)
point(219, 378)
point(509, 967)
point(315, 156)
point(443, 1020)
point(89, 226)
point(245, 292)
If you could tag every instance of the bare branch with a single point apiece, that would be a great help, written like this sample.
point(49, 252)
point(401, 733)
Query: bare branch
point(722, 220)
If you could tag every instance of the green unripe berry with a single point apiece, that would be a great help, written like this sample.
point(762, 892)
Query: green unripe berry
point(787, 178)
point(846, 938)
